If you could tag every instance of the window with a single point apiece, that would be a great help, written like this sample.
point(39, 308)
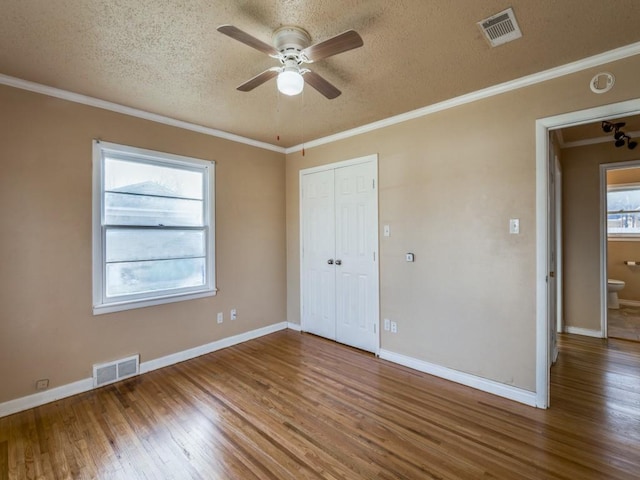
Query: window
point(153, 228)
point(623, 211)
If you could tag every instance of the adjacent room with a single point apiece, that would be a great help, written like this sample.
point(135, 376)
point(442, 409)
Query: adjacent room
point(293, 239)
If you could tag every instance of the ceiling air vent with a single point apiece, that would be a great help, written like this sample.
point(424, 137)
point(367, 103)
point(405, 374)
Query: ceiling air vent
point(500, 28)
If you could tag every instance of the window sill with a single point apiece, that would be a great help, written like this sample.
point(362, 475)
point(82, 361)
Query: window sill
point(133, 304)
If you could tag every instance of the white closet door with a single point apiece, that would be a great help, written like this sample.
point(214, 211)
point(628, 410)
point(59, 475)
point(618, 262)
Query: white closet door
point(318, 249)
point(339, 266)
point(356, 266)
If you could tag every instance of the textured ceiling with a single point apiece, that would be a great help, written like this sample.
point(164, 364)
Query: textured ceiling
point(166, 57)
point(593, 133)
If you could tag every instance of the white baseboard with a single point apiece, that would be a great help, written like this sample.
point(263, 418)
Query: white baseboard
point(512, 393)
point(37, 399)
point(294, 326)
point(587, 332)
point(86, 384)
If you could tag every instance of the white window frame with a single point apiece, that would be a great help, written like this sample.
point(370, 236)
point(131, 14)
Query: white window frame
point(102, 304)
point(624, 237)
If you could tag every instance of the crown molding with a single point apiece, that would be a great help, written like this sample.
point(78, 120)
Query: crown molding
point(134, 112)
point(574, 67)
point(569, 68)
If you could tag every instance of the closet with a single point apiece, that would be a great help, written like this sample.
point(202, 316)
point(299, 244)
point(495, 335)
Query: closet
point(339, 252)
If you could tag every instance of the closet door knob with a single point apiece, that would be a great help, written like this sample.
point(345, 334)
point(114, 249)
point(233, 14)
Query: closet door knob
point(338, 262)
point(330, 261)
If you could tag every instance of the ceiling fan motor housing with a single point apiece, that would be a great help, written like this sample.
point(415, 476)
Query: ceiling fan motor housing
point(290, 41)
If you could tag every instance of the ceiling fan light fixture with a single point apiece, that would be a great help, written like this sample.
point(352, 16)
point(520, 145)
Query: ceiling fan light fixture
point(290, 82)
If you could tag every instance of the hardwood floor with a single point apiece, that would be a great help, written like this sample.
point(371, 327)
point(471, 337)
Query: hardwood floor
point(294, 406)
point(624, 323)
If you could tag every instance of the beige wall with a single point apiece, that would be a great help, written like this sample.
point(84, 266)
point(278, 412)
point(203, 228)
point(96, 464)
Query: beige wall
point(581, 230)
point(47, 329)
point(620, 251)
point(448, 184)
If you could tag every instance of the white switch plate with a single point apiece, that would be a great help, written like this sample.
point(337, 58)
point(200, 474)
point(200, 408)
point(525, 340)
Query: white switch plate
point(220, 317)
point(394, 327)
point(387, 231)
point(234, 314)
point(514, 225)
point(387, 324)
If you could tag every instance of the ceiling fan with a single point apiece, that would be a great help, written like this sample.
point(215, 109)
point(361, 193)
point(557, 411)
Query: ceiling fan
point(291, 47)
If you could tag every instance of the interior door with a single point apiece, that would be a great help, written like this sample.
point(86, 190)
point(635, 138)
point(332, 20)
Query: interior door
point(356, 263)
point(318, 250)
point(552, 266)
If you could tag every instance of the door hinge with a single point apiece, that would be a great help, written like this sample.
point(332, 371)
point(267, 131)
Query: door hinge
point(374, 328)
point(374, 256)
point(373, 183)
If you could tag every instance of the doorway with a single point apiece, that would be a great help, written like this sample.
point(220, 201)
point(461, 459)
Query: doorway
point(619, 237)
point(544, 328)
point(339, 252)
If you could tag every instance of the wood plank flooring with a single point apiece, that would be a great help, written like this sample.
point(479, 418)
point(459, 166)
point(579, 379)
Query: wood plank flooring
point(624, 322)
point(294, 406)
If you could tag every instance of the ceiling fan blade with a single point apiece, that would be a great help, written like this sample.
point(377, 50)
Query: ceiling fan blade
point(334, 45)
point(259, 79)
point(244, 37)
point(321, 85)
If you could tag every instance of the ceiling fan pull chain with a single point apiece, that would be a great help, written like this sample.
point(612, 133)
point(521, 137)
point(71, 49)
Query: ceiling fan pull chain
point(302, 111)
point(278, 119)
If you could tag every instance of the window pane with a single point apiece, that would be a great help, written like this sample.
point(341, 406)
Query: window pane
point(127, 209)
point(149, 179)
point(154, 276)
point(623, 200)
point(625, 223)
point(153, 228)
point(144, 244)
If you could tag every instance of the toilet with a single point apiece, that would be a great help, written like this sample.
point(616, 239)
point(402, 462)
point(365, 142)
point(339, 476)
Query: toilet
point(613, 287)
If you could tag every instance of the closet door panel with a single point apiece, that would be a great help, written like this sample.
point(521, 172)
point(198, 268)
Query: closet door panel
point(356, 247)
point(318, 254)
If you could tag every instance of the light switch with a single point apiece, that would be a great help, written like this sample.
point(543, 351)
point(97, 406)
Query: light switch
point(387, 231)
point(514, 225)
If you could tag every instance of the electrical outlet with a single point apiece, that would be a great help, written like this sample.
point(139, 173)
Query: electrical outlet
point(387, 324)
point(234, 314)
point(220, 317)
point(394, 327)
point(42, 384)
